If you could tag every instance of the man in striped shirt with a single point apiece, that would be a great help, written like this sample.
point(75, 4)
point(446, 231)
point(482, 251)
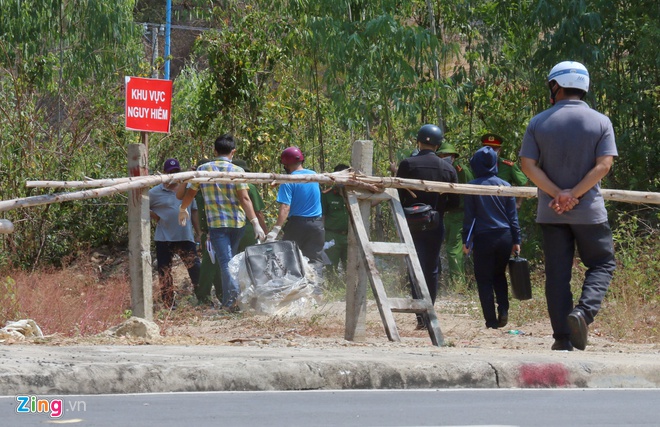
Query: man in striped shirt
point(228, 206)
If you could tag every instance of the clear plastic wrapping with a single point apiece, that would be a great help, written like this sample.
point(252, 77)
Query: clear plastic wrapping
point(281, 296)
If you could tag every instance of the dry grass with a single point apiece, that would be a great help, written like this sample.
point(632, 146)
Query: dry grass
point(81, 301)
point(630, 310)
point(70, 302)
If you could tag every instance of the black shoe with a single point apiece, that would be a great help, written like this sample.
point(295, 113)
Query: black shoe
point(562, 344)
point(579, 329)
point(491, 325)
point(503, 319)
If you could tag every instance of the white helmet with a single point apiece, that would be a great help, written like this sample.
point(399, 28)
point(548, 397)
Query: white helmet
point(570, 74)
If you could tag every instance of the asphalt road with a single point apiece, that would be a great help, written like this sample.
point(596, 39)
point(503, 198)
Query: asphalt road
point(445, 407)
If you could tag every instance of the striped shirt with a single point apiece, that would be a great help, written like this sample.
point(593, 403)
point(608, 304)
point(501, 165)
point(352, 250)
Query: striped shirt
point(221, 200)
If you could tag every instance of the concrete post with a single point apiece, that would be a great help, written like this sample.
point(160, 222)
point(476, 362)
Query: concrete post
point(139, 236)
point(356, 272)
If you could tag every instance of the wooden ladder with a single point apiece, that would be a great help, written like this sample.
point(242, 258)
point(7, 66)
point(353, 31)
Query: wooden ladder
point(406, 248)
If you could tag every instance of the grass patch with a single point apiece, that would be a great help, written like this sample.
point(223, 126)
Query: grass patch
point(83, 300)
point(70, 302)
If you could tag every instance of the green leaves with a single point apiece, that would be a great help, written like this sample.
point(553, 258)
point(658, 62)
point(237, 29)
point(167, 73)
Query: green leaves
point(81, 39)
point(316, 74)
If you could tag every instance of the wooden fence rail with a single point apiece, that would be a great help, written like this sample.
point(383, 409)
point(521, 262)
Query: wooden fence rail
point(107, 187)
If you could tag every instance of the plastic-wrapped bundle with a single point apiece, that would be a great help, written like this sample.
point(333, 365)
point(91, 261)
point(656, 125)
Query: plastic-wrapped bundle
point(275, 279)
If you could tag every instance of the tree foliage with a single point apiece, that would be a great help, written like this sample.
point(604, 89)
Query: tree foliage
point(316, 74)
point(61, 70)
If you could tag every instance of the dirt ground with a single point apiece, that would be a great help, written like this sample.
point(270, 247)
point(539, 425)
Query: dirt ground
point(324, 325)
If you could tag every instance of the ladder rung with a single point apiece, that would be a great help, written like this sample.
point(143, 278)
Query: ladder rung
point(370, 196)
point(407, 305)
point(389, 248)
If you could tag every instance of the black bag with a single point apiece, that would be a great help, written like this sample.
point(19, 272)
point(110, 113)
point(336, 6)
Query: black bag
point(521, 285)
point(273, 260)
point(422, 217)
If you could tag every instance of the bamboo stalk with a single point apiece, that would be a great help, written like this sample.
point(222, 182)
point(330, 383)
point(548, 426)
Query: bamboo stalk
point(343, 177)
point(200, 176)
point(371, 183)
point(349, 179)
point(133, 183)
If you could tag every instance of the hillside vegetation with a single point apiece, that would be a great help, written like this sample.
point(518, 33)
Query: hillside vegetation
point(319, 75)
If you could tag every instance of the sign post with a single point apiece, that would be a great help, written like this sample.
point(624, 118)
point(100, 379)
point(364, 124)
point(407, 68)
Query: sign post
point(148, 109)
point(139, 237)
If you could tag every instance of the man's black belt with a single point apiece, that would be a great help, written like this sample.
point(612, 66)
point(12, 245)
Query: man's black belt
point(305, 218)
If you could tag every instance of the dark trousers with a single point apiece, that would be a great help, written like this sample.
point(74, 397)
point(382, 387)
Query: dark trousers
point(596, 250)
point(187, 251)
point(491, 252)
point(309, 235)
point(209, 275)
point(427, 245)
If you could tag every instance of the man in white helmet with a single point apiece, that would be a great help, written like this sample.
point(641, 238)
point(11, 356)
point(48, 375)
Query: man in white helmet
point(566, 151)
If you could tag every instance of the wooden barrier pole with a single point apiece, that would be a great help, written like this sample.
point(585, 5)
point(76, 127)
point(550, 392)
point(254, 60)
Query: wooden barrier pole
point(139, 236)
point(349, 179)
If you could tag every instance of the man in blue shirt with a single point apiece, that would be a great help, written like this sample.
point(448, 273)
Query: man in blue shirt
point(300, 207)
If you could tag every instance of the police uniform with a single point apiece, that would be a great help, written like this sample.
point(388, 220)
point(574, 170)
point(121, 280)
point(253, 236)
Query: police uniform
point(453, 228)
point(336, 225)
point(454, 220)
point(510, 172)
point(507, 170)
point(209, 273)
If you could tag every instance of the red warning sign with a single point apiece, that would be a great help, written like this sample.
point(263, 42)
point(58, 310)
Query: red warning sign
point(148, 104)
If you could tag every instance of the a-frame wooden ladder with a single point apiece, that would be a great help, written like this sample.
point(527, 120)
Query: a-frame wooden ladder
point(406, 248)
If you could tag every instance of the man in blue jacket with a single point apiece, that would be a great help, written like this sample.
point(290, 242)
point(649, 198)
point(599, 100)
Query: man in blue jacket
point(491, 223)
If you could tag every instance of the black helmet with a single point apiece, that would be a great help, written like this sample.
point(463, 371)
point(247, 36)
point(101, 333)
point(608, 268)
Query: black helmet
point(430, 135)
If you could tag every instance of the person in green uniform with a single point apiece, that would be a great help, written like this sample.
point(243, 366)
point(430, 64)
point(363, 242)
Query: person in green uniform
point(454, 218)
point(335, 217)
point(507, 170)
point(209, 274)
point(258, 204)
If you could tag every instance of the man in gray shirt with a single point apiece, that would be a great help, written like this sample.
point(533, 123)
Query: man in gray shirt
point(171, 238)
point(566, 151)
